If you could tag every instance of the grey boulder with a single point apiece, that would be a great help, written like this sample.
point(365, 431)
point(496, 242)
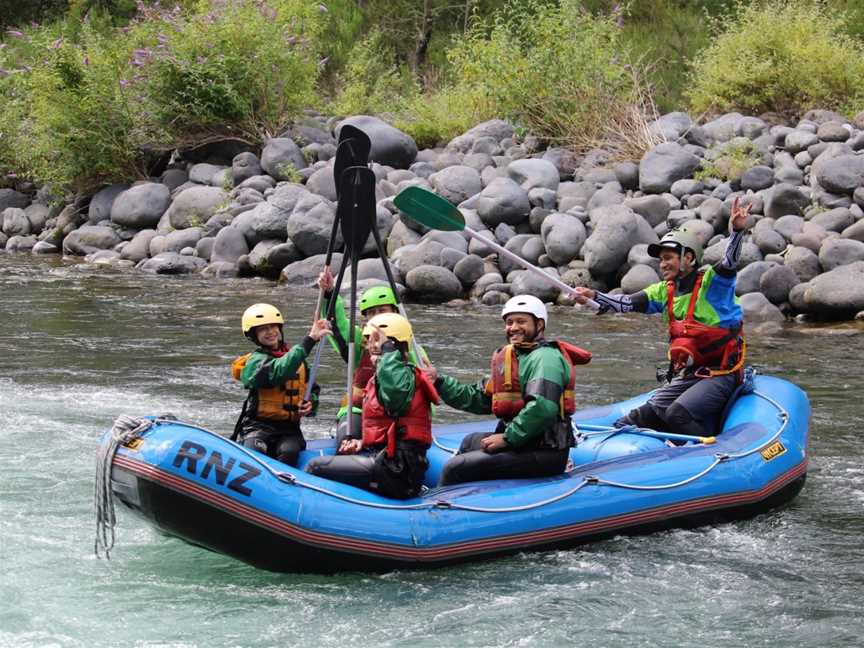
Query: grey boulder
point(663, 165)
point(776, 283)
point(194, 206)
point(456, 183)
point(141, 206)
point(172, 263)
point(102, 202)
point(281, 158)
point(390, 146)
point(90, 238)
point(432, 282)
point(503, 201)
point(837, 293)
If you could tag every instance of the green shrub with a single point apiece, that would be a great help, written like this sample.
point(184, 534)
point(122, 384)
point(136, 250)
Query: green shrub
point(238, 67)
point(556, 70)
point(780, 56)
point(440, 116)
point(372, 81)
point(68, 118)
point(732, 161)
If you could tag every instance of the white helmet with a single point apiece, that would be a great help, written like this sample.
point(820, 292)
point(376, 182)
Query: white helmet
point(525, 304)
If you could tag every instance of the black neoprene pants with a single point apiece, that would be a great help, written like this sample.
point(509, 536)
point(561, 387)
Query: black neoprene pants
point(473, 464)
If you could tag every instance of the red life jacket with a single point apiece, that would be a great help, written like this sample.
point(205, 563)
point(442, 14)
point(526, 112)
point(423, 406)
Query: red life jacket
point(362, 374)
point(506, 392)
point(415, 425)
point(709, 350)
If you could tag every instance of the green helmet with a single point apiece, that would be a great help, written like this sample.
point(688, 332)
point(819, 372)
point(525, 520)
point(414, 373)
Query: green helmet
point(377, 296)
point(679, 240)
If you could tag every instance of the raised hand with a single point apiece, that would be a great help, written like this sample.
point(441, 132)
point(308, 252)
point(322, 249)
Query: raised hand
point(319, 329)
point(740, 215)
point(325, 280)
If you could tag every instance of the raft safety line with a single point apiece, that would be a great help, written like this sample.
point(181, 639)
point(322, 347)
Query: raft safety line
point(124, 430)
point(719, 458)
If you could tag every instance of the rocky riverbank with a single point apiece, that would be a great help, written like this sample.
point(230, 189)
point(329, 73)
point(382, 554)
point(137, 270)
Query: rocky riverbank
point(225, 211)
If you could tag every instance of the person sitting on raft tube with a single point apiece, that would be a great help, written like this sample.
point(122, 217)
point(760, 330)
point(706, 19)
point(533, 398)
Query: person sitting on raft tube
point(275, 376)
point(530, 391)
point(390, 459)
point(374, 301)
point(706, 341)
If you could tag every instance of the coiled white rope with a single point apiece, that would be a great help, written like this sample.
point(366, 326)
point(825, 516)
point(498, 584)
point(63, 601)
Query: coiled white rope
point(124, 430)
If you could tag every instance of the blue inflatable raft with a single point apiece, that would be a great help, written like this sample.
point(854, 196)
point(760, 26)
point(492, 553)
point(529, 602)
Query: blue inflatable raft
point(209, 491)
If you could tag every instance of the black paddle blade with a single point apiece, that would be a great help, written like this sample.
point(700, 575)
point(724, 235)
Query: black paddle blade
point(363, 143)
point(356, 208)
point(352, 150)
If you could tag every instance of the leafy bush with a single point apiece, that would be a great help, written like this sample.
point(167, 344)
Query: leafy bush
point(68, 119)
point(731, 161)
point(780, 56)
point(554, 69)
point(239, 67)
point(373, 82)
point(440, 116)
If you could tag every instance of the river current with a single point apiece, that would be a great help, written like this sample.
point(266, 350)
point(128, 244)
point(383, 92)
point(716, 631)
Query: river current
point(80, 345)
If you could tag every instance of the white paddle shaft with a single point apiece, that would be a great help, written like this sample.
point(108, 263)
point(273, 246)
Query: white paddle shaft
point(532, 268)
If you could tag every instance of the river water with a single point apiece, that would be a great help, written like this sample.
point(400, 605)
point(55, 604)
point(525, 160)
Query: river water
point(80, 345)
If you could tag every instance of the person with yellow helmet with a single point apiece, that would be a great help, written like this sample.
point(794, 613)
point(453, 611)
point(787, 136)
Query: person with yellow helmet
point(390, 457)
point(374, 301)
point(706, 339)
point(275, 375)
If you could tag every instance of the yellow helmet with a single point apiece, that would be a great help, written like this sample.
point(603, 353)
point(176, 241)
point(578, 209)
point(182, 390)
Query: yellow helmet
point(392, 324)
point(258, 315)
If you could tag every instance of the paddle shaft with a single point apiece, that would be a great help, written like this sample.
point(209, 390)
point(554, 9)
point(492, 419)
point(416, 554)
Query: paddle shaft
point(331, 307)
point(515, 258)
point(400, 307)
point(355, 253)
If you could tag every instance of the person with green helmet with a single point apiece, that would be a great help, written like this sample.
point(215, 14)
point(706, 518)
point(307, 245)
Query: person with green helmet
point(275, 376)
point(390, 457)
point(706, 340)
point(373, 301)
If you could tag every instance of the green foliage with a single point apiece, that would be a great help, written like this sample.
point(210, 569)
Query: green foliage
point(440, 116)
point(555, 69)
point(242, 67)
point(69, 120)
point(731, 161)
point(373, 82)
point(780, 56)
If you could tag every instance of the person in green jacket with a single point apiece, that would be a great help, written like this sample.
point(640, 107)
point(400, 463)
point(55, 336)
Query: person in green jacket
point(706, 340)
point(390, 458)
point(530, 391)
point(275, 376)
point(374, 301)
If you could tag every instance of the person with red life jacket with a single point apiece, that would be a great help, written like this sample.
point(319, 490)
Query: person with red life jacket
point(530, 390)
point(275, 376)
point(374, 301)
point(390, 458)
point(706, 340)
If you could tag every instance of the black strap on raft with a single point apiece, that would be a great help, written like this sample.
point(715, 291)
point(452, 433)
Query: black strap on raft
point(238, 426)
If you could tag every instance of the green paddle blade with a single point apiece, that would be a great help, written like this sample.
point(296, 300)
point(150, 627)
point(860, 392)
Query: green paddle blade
point(429, 209)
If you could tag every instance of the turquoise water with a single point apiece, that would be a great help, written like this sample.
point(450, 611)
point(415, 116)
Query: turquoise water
point(80, 345)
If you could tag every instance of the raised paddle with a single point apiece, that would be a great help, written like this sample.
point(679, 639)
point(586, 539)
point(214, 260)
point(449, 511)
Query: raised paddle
point(358, 189)
point(353, 150)
point(435, 212)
